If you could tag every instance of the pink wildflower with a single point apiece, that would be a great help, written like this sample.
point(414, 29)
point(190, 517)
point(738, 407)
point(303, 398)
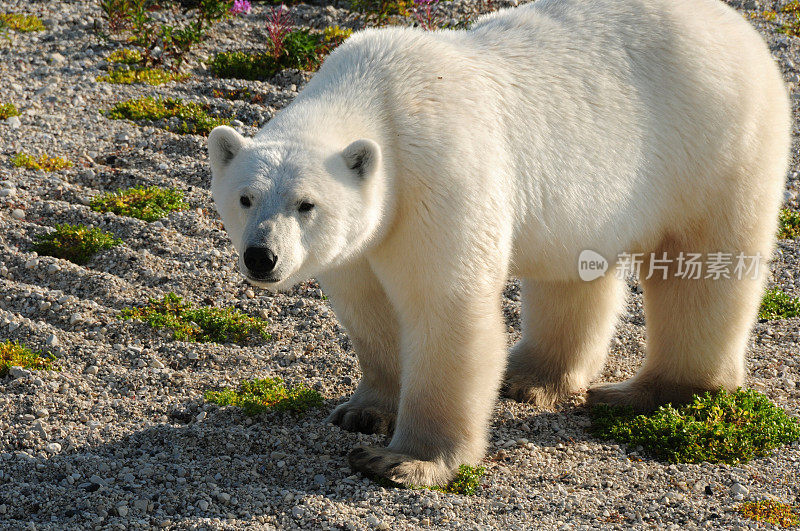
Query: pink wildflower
point(240, 7)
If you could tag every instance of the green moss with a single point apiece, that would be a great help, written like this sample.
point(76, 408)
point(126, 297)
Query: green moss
point(145, 76)
point(12, 354)
point(7, 110)
point(466, 482)
point(268, 394)
point(44, 162)
point(148, 203)
point(778, 305)
point(302, 50)
point(788, 225)
point(21, 23)
point(771, 512)
point(718, 428)
point(76, 243)
point(204, 324)
point(193, 118)
point(126, 56)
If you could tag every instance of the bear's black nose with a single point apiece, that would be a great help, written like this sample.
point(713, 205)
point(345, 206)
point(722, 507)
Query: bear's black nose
point(259, 260)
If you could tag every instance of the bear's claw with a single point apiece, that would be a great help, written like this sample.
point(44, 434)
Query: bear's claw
point(363, 419)
point(398, 468)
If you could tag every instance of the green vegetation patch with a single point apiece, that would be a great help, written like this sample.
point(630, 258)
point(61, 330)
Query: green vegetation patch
point(300, 49)
point(7, 110)
point(204, 324)
point(21, 23)
point(466, 482)
point(778, 305)
point(145, 76)
point(44, 162)
point(771, 512)
point(268, 394)
point(12, 354)
point(76, 243)
point(192, 118)
point(719, 428)
point(126, 56)
point(148, 203)
point(382, 11)
point(789, 225)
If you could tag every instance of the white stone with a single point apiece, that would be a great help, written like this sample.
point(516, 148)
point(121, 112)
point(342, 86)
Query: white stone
point(53, 448)
point(18, 213)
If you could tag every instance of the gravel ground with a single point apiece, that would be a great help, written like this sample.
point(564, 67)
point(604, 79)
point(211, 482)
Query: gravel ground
point(120, 436)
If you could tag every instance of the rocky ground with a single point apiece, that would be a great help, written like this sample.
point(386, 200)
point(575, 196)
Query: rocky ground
point(120, 437)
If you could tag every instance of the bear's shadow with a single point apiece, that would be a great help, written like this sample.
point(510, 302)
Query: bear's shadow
point(175, 465)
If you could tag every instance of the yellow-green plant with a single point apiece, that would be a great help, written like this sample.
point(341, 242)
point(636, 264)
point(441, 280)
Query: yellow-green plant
point(771, 512)
point(21, 23)
point(7, 110)
point(44, 162)
point(13, 354)
point(143, 75)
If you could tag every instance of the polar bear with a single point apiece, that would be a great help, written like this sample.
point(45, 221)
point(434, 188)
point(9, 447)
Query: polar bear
point(418, 170)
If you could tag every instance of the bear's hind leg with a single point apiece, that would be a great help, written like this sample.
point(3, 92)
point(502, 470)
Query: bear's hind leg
point(697, 332)
point(364, 310)
point(566, 328)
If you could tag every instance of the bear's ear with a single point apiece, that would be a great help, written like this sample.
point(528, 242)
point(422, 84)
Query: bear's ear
point(223, 144)
point(363, 157)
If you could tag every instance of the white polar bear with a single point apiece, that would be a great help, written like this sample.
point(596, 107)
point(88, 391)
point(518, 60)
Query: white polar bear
point(418, 170)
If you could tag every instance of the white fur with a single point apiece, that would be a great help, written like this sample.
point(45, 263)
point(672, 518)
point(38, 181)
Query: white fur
point(611, 125)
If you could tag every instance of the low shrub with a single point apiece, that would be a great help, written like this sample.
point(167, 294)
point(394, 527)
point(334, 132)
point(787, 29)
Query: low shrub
point(147, 203)
point(778, 305)
point(789, 225)
point(203, 324)
point(719, 428)
point(268, 394)
point(192, 118)
point(76, 243)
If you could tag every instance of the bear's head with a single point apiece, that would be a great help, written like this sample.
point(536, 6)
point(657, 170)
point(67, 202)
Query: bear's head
point(295, 208)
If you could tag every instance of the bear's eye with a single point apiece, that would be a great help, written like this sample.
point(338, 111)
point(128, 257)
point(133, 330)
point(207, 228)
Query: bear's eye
point(305, 206)
point(245, 201)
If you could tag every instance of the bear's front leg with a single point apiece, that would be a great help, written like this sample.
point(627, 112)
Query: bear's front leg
point(452, 358)
point(363, 309)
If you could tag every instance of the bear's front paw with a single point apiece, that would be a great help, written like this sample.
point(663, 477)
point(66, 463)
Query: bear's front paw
point(398, 468)
point(362, 418)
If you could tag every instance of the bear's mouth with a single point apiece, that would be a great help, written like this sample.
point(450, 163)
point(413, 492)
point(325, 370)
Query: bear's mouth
point(262, 280)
